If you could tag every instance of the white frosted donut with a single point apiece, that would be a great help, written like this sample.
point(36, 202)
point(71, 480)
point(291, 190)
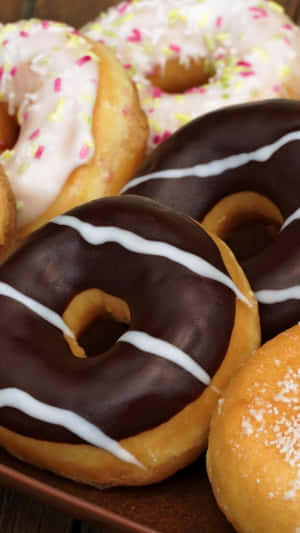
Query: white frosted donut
point(66, 93)
point(246, 48)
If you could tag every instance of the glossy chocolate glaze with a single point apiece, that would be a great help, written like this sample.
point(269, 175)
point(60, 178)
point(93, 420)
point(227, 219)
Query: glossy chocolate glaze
point(123, 391)
point(231, 131)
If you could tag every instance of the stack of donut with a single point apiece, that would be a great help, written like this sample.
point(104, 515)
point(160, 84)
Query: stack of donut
point(152, 259)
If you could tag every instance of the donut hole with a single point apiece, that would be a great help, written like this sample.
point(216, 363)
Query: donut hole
point(248, 222)
point(9, 129)
point(175, 77)
point(97, 319)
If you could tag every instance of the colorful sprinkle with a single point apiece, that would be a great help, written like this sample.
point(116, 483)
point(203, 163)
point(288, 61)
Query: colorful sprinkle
point(57, 85)
point(258, 12)
point(24, 34)
point(219, 22)
point(38, 154)
point(121, 8)
point(175, 48)
point(84, 152)
point(45, 24)
point(13, 71)
point(34, 135)
point(83, 60)
point(135, 36)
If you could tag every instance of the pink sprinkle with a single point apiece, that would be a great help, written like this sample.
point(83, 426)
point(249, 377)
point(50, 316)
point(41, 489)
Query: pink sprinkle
point(247, 73)
point(244, 64)
point(57, 85)
point(24, 34)
point(13, 71)
point(258, 12)
point(125, 112)
point(276, 88)
point(287, 41)
point(123, 6)
point(101, 41)
point(175, 48)
point(287, 26)
point(26, 115)
point(84, 152)
point(156, 139)
point(220, 56)
point(1, 72)
point(76, 32)
point(83, 60)
point(5, 42)
point(219, 22)
point(156, 92)
point(165, 135)
point(150, 110)
point(34, 135)
point(38, 154)
point(135, 36)
point(127, 66)
point(45, 24)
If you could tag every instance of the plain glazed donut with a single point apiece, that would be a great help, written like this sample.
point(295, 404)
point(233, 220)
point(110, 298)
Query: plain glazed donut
point(140, 411)
point(211, 172)
point(253, 457)
point(189, 57)
point(82, 133)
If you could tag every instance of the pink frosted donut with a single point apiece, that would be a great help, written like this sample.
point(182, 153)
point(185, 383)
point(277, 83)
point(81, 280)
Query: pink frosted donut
point(78, 138)
point(246, 50)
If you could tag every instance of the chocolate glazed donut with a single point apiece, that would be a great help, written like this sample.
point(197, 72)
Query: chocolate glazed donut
point(231, 165)
point(184, 318)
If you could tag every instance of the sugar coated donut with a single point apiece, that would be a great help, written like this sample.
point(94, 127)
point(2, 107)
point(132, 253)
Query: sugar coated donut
point(253, 457)
point(140, 411)
point(190, 57)
point(211, 172)
point(82, 132)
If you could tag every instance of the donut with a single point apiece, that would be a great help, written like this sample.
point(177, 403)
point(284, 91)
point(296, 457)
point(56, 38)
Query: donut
point(189, 58)
point(139, 411)
point(211, 172)
point(81, 133)
point(253, 457)
point(8, 218)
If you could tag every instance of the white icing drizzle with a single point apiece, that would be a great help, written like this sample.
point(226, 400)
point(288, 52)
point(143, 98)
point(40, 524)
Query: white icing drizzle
point(40, 309)
point(278, 295)
point(214, 168)
point(291, 218)
point(97, 235)
point(147, 343)
point(18, 399)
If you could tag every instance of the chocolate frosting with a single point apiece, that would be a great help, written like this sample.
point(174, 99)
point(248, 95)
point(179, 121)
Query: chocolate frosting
point(231, 131)
point(123, 390)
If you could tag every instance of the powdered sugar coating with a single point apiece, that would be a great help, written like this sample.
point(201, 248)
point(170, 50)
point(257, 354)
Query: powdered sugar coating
point(49, 78)
point(249, 47)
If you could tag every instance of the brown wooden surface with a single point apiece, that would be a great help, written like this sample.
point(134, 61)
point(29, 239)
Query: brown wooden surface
point(18, 513)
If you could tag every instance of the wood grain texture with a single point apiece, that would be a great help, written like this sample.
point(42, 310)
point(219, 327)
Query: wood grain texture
point(11, 10)
point(74, 12)
point(19, 514)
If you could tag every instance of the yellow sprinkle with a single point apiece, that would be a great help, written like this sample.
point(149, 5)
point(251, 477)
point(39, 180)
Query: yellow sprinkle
point(8, 28)
point(56, 49)
point(166, 50)
point(7, 66)
point(260, 51)
point(254, 93)
point(203, 20)
point(74, 40)
point(95, 26)
point(238, 86)
point(28, 25)
point(147, 46)
point(182, 117)
point(124, 19)
point(284, 72)
point(94, 56)
point(87, 97)
point(55, 115)
point(175, 15)
point(226, 96)
point(19, 205)
point(87, 118)
point(155, 125)
point(179, 98)
point(7, 154)
point(277, 7)
point(23, 168)
point(209, 67)
point(209, 41)
point(222, 36)
point(20, 118)
point(109, 33)
point(33, 148)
